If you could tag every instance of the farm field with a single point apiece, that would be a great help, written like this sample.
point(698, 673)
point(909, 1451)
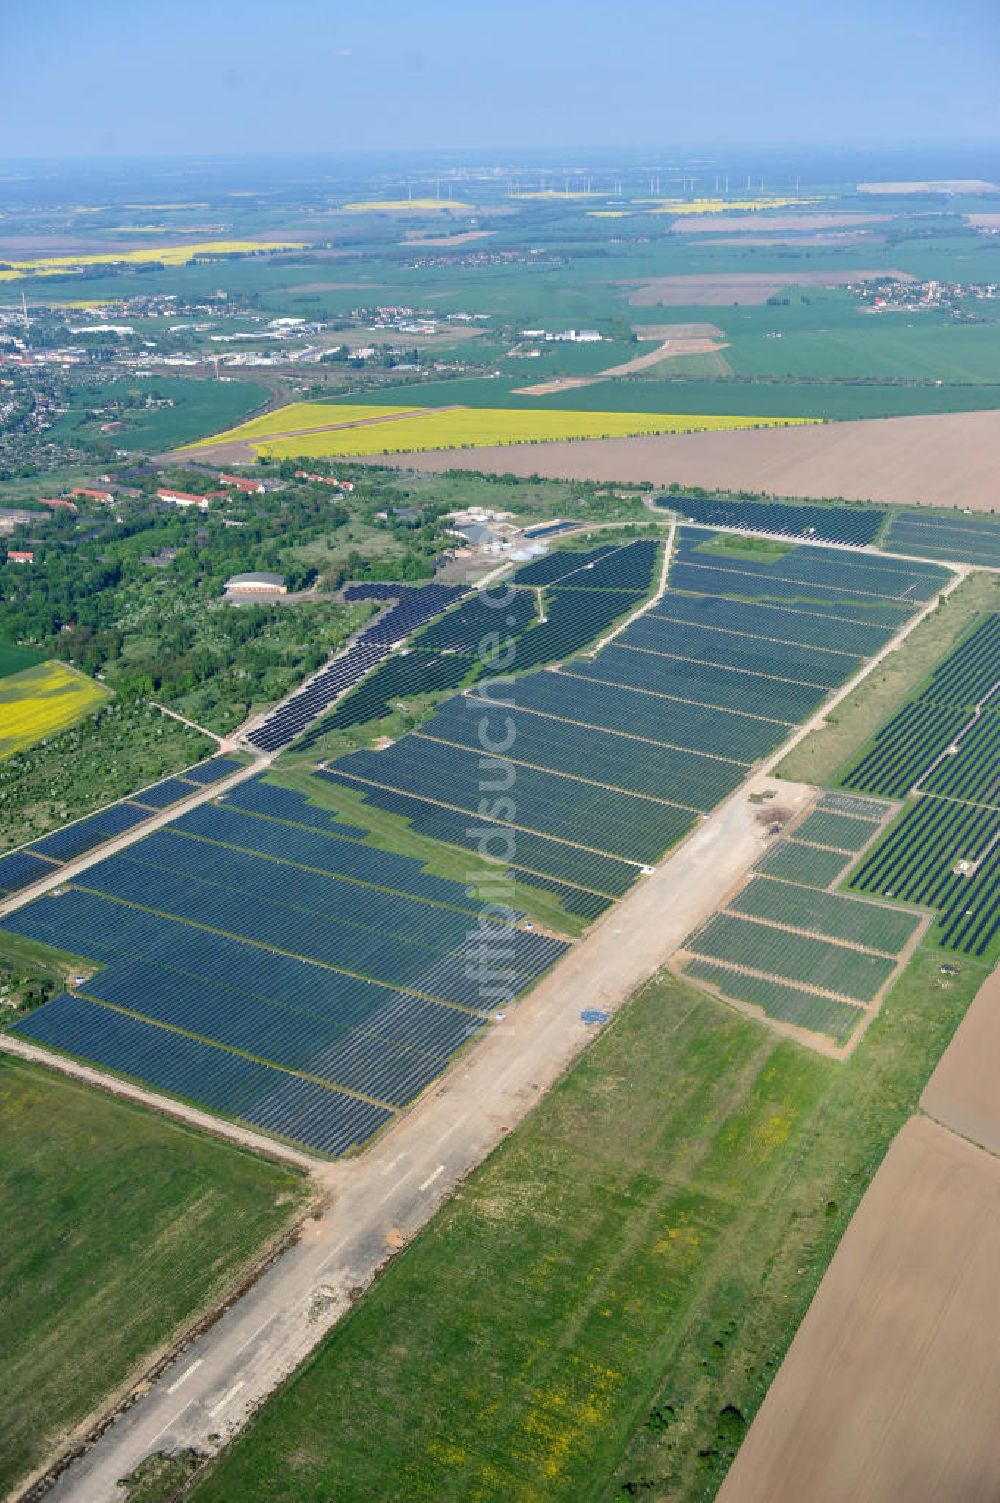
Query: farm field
point(961, 1094)
point(88, 1296)
point(378, 430)
point(694, 384)
point(40, 701)
point(165, 255)
point(195, 407)
point(627, 1363)
point(907, 461)
point(866, 1403)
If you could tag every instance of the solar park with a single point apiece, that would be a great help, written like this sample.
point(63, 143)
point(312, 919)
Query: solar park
point(264, 960)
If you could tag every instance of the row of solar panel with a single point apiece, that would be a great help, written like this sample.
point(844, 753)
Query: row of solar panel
point(412, 608)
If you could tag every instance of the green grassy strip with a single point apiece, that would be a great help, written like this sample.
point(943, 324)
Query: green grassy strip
point(600, 1309)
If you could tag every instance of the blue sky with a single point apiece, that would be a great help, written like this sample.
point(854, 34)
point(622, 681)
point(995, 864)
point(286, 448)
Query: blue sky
point(132, 77)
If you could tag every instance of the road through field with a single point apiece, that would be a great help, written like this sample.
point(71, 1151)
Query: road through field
point(381, 1199)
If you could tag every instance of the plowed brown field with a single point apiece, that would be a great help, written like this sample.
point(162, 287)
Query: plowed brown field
point(889, 1392)
point(948, 459)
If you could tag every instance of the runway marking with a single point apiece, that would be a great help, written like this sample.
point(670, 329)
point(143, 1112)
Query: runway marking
point(390, 1166)
point(184, 1375)
point(256, 1333)
point(432, 1177)
point(454, 1127)
point(390, 1193)
point(226, 1398)
point(166, 1427)
point(332, 1253)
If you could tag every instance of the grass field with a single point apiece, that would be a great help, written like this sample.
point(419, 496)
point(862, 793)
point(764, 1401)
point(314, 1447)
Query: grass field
point(17, 659)
point(407, 205)
point(196, 408)
point(102, 758)
point(128, 1226)
point(42, 701)
point(819, 756)
point(165, 255)
point(599, 1310)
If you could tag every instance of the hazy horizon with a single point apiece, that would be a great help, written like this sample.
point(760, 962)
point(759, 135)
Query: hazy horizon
point(309, 78)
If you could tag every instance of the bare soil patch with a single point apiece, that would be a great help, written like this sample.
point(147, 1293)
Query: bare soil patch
point(748, 287)
point(889, 1390)
point(670, 349)
point(962, 1093)
point(946, 459)
point(698, 224)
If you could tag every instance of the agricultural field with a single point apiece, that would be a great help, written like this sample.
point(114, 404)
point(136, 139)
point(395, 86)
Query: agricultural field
point(379, 430)
point(180, 410)
point(628, 1365)
point(41, 701)
point(87, 1296)
point(161, 255)
point(867, 1402)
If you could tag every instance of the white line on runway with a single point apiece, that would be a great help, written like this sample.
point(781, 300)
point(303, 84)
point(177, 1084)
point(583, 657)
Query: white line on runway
point(226, 1398)
point(166, 1427)
point(390, 1193)
point(453, 1128)
point(184, 1376)
point(256, 1333)
point(432, 1177)
point(390, 1166)
point(332, 1254)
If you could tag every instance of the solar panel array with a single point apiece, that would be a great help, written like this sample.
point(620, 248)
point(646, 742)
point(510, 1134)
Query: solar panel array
point(21, 868)
point(965, 539)
point(614, 757)
point(857, 526)
point(264, 963)
point(413, 606)
point(585, 593)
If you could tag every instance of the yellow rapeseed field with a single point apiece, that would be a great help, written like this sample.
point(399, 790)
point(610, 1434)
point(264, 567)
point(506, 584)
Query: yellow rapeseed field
point(398, 205)
point(297, 415)
point(40, 701)
point(486, 427)
point(723, 205)
point(169, 255)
